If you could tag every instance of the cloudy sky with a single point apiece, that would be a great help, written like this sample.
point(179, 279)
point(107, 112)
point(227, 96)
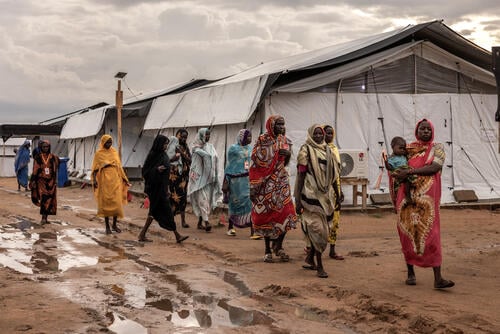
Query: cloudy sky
point(58, 56)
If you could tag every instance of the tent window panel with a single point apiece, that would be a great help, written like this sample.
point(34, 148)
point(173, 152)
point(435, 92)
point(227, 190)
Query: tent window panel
point(432, 78)
point(395, 77)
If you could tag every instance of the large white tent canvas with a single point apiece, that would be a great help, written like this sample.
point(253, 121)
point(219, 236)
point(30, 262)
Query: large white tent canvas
point(399, 77)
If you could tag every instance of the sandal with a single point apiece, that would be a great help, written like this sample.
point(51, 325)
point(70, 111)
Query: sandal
point(181, 239)
point(282, 255)
point(117, 229)
point(322, 274)
point(444, 284)
point(309, 267)
point(144, 240)
point(268, 258)
point(208, 227)
point(411, 281)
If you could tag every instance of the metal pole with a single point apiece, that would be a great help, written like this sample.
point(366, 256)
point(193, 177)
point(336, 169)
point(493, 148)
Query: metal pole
point(119, 103)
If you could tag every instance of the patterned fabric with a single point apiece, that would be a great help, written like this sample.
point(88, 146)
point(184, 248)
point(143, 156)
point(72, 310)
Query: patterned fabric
point(273, 211)
point(204, 187)
point(111, 188)
point(21, 163)
point(236, 179)
point(332, 237)
point(179, 180)
point(419, 224)
point(156, 184)
point(43, 182)
point(318, 195)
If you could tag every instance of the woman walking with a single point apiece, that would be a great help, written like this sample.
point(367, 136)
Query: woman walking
point(236, 184)
point(179, 174)
point(273, 212)
point(156, 173)
point(21, 165)
point(418, 217)
point(204, 187)
point(43, 182)
point(315, 194)
point(109, 182)
point(332, 237)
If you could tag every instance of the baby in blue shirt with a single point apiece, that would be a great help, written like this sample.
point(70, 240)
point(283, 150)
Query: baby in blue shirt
point(398, 160)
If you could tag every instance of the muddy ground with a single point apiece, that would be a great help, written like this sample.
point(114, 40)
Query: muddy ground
point(70, 277)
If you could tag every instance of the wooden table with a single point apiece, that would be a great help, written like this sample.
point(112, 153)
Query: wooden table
point(355, 182)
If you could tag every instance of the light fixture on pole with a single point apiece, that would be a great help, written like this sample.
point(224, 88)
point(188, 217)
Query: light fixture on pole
point(119, 105)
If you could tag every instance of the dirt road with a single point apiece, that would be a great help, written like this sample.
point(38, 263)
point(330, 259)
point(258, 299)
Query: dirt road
point(69, 277)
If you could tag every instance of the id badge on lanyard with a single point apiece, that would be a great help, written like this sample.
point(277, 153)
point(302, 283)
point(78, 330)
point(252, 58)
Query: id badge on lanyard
point(47, 171)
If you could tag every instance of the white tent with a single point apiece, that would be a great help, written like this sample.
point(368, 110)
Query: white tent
point(82, 131)
point(370, 90)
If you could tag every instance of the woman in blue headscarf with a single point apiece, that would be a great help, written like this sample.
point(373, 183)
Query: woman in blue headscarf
point(236, 186)
point(21, 165)
point(203, 187)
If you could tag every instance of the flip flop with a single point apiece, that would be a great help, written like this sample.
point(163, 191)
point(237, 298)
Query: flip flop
point(145, 240)
point(309, 267)
point(337, 257)
point(181, 239)
point(444, 284)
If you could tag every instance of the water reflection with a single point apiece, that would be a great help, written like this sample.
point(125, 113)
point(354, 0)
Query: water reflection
point(122, 325)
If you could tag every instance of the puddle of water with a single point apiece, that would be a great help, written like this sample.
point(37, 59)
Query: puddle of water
point(234, 280)
point(163, 304)
point(9, 262)
point(122, 325)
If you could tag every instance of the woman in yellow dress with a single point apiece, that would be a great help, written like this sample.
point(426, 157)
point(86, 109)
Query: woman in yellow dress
point(109, 183)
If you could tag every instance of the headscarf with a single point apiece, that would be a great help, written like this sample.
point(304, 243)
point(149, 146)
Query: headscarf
point(239, 153)
point(44, 141)
point(171, 151)
point(243, 136)
point(418, 147)
point(107, 156)
point(156, 155)
point(22, 156)
point(310, 155)
point(271, 121)
point(333, 147)
point(200, 137)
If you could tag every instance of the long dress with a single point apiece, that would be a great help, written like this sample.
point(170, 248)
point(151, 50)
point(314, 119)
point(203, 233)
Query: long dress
point(273, 212)
point(204, 188)
point(43, 183)
point(156, 185)
point(332, 237)
point(179, 178)
point(236, 177)
point(318, 194)
point(111, 190)
point(21, 164)
point(419, 224)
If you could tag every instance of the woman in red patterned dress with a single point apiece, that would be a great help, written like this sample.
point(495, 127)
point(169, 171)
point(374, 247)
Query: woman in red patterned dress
point(418, 218)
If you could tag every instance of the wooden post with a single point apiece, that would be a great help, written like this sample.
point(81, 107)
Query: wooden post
point(119, 104)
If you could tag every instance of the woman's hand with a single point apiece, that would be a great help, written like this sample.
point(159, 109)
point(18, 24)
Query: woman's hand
point(401, 174)
point(161, 168)
point(285, 153)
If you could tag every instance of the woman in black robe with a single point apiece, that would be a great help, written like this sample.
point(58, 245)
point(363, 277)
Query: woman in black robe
point(156, 172)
